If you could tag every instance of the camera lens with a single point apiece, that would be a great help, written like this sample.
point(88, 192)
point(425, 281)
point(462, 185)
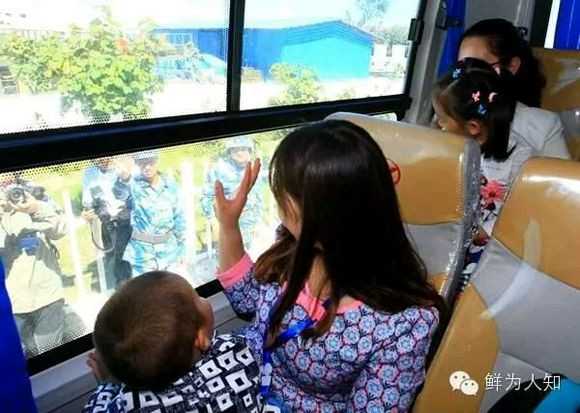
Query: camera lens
point(16, 195)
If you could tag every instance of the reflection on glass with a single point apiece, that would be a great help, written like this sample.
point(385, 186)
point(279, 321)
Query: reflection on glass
point(304, 51)
point(71, 234)
point(387, 116)
point(73, 62)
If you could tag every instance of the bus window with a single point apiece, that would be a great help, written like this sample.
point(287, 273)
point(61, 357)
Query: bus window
point(87, 88)
point(305, 52)
point(78, 62)
point(73, 233)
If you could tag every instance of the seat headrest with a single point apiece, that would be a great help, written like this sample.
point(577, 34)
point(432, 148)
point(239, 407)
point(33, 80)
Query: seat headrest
point(431, 164)
point(544, 204)
point(562, 71)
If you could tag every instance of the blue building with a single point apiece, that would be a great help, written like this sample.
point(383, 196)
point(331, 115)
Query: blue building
point(332, 49)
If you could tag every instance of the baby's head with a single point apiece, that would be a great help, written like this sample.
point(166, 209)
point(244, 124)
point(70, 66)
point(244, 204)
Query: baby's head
point(151, 331)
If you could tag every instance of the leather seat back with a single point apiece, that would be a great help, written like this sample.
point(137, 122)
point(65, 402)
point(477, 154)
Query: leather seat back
point(519, 315)
point(437, 182)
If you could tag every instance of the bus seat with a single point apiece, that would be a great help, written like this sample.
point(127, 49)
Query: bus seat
point(519, 314)
point(562, 92)
point(438, 184)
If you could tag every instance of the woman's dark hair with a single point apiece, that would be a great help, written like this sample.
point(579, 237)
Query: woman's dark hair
point(473, 90)
point(505, 41)
point(340, 180)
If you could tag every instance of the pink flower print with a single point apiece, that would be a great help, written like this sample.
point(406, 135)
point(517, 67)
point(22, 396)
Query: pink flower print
point(475, 96)
point(492, 192)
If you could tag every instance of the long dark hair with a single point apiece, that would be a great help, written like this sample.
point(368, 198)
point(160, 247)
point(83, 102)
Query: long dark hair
point(505, 41)
point(473, 90)
point(339, 178)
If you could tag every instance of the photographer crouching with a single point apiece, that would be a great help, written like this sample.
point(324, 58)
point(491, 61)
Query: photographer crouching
point(29, 223)
point(101, 206)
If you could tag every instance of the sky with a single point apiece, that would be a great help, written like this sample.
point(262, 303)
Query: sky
point(59, 14)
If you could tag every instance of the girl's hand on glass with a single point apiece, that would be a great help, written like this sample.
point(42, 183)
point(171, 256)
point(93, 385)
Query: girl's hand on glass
point(228, 211)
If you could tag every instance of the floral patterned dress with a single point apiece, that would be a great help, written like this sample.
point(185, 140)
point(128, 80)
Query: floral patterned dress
point(369, 361)
point(496, 180)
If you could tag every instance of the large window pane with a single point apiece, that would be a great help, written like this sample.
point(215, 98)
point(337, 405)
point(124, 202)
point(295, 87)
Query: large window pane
point(308, 51)
point(73, 62)
point(71, 234)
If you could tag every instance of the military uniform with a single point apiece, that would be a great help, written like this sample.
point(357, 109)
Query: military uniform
point(230, 174)
point(158, 221)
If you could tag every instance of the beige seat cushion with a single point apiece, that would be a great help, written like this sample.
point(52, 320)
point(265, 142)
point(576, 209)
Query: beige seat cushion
point(519, 314)
point(562, 92)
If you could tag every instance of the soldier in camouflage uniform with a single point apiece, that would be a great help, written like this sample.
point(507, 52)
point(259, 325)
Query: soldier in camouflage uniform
point(157, 217)
point(229, 170)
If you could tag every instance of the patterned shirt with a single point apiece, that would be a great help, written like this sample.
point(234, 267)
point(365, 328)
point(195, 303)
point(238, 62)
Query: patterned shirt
point(224, 380)
point(368, 361)
point(156, 212)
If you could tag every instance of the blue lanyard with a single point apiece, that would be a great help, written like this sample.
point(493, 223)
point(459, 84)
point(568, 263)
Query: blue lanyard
point(288, 334)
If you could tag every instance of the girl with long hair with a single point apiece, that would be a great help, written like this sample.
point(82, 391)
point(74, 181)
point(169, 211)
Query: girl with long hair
point(343, 312)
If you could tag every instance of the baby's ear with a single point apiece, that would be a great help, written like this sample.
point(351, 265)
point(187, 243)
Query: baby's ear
point(202, 340)
point(473, 128)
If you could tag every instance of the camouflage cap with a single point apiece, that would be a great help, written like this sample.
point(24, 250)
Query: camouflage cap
point(240, 142)
point(151, 155)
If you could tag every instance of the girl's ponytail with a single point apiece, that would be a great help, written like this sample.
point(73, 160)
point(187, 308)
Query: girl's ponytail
point(498, 119)
point(474, 90)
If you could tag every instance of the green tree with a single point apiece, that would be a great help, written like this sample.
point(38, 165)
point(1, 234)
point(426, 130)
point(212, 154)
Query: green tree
point(34, 63)
point(394, 35)
point(368, 14)
point(301, 85)
point(101, 69)
point(346, 94)
point(108, 73)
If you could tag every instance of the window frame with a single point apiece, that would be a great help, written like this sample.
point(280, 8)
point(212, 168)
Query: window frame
point(30, 149)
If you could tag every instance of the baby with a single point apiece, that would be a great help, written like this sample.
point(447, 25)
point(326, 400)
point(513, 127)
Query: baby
point(155, 351)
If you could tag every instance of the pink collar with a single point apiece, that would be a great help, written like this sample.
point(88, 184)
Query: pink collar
point(314, 307)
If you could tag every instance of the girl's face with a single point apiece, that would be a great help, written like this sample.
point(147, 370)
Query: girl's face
point(477, 47)
point(290, 216)
point(446, 122)
point(472, 128)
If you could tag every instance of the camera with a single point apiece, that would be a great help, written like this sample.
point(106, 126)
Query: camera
point(19, 193)
point(101, 208)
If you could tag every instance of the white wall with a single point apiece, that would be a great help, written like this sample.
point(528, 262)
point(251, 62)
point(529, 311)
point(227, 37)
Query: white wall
point(520, 12)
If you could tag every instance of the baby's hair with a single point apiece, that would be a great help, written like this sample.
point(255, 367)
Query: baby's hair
point(145, 332)
point(474, 90)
